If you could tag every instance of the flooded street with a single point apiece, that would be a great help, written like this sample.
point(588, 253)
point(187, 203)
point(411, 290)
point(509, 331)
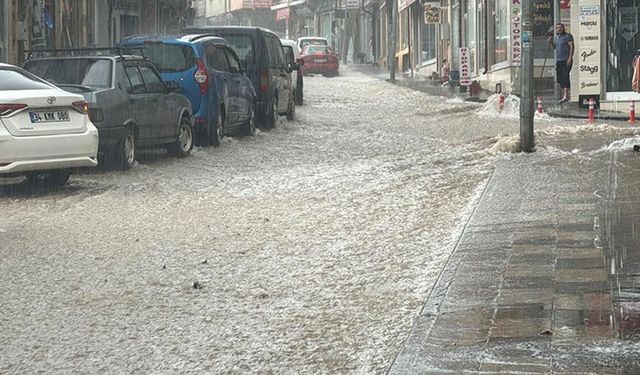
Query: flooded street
point(309, 248)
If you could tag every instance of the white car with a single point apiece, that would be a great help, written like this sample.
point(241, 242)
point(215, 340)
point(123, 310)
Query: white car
point(306, 40)
point(44, 131)
point(291, 49)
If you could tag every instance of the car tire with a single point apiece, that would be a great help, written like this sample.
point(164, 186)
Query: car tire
point(299, 99)
point(49, 178)
point(271, 116)
point(184, 143)
point(291, 112)
point(249, 127)
point(217, 133)
point(126, 151)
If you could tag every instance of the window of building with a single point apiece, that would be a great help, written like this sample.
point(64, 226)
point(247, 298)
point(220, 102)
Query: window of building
point(470, 32)
point(500, 31)
point(404, 28)
point(428, 42)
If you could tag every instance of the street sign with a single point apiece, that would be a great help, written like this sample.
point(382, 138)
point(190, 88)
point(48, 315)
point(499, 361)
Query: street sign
point(465, 66)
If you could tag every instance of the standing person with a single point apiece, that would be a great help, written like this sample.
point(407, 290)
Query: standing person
point(564, 46)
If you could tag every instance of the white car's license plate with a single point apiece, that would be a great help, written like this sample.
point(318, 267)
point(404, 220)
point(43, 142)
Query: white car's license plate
point(53, 116)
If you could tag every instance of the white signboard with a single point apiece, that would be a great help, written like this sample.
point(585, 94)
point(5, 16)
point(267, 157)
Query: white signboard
point(627, 22)
point(352, 4)
point(465, 67)
point(587, 57)
point(516, 32)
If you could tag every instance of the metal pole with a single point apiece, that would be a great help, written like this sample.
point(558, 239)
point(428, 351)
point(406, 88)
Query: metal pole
point(526, 79)
point(393, 22)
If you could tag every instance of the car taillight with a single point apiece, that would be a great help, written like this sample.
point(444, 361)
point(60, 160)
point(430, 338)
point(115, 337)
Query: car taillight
point(202, 76)
point(264, 80)
point(81, 106)
point(7, 109)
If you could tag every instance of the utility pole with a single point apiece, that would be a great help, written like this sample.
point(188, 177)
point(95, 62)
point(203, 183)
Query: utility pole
point(526, 79)
point(392, 12)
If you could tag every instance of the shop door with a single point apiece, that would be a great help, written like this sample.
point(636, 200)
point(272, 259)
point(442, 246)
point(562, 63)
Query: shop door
point(623, 40)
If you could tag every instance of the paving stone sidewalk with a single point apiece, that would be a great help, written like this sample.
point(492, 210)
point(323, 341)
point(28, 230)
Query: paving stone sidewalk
point(531, 286)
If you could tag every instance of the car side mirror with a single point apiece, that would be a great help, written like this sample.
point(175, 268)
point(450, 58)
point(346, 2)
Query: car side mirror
point(293, 66)
point(172, 86)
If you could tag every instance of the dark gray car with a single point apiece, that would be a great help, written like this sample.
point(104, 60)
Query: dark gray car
point(129, 102)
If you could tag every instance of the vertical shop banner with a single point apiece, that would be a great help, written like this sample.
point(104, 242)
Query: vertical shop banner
point(432, 12)
point(588, 49)
point(464, 63)
point(516, 33)
point(628, 22)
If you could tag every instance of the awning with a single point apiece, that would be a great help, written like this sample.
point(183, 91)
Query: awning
point(287, 4)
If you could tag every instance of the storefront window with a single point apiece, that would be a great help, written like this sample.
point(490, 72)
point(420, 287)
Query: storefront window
point(404, 28)
point(428, 42)
point(470, 32)
point(501, 31)
point(622, 43)
point(542, 27)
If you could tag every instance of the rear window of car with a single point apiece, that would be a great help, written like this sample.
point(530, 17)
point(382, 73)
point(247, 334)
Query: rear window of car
point(170, 57)
point(11, 79)
point(316, 49)
point(306, 42)
point(90, 72)
point(242, 45)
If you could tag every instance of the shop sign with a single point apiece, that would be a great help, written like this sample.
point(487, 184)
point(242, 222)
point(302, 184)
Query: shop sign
point(403, 4)
point(352, 4)
point(588, 52)
point(516, 32)
point(431, 14)
point(126, 4)
point(628, 23)
point(465, 67)
point(283, 14)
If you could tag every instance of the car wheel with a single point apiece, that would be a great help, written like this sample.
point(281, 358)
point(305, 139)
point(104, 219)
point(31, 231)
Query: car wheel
point(184, 143)
point(49, 178)
point(218, 133)
point(249, 127)
point(271, 117)
point(291, 113)
point(299, 98)
point(126, 154)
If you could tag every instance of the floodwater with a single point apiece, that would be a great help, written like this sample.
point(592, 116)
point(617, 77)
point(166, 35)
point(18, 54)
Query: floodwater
point(312, 246)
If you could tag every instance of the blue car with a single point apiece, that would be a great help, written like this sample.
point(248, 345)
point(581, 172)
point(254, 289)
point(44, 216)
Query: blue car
point(211, 76)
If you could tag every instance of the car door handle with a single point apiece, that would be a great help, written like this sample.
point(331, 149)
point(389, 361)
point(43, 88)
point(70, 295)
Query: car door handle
point(132, 101)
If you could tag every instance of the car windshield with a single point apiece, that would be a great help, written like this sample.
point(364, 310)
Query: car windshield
point(11, 79)
point(170, 57)
point(243, 45)
point(89, 72)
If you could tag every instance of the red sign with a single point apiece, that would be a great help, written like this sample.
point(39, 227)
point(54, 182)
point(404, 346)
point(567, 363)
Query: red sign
point(283, 14)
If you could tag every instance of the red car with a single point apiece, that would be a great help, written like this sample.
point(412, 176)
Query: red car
point(319, 59)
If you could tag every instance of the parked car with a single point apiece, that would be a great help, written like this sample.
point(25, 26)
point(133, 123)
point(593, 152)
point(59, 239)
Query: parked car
point(262, 55)
point(313, 40)
point(129, 102)
point(292, 55)
point(211, 76)
point(319, 59)
point(44, 131)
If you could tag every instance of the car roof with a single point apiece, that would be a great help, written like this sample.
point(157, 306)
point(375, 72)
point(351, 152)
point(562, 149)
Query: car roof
point(312, 38)
point(103, 57)
point(177, 39)
point(288, 42)
point(6, 65)
point(231, 28)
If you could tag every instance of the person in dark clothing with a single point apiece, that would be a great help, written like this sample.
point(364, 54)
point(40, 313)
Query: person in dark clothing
point(564, 46)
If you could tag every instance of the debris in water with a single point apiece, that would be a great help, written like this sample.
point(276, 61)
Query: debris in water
point(197, 285)
point(546, 332)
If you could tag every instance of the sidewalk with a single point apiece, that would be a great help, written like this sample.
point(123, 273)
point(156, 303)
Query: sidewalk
point(545, 278)
point(420, 83)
